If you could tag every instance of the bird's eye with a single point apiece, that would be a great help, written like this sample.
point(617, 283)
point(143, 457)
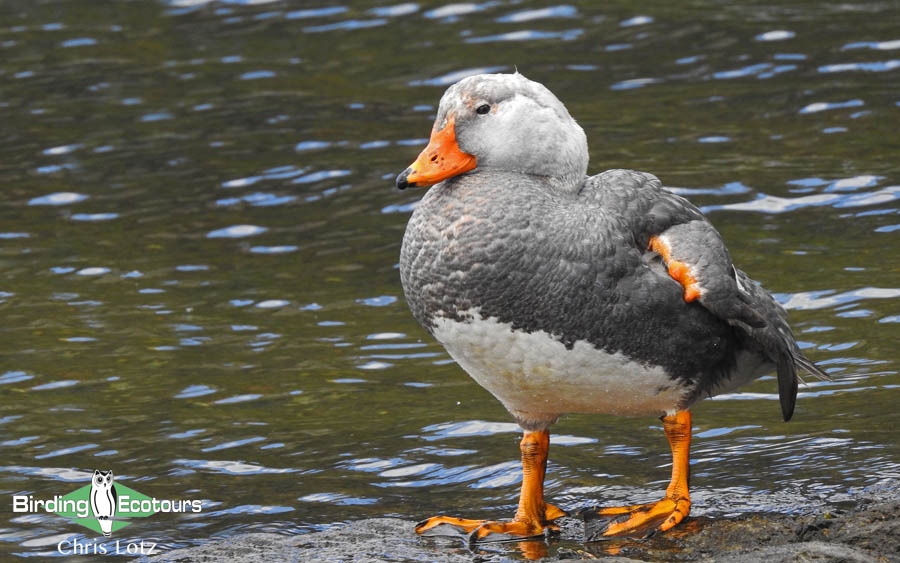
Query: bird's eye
point(483, 109)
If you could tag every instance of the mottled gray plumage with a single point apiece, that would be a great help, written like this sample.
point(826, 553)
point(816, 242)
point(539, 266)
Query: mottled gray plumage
point(528, 239)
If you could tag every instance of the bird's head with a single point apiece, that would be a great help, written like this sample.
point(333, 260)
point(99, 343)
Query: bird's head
point(502, 122)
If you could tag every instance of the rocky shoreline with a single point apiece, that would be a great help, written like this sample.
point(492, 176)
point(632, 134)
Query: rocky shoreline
point(864, 530)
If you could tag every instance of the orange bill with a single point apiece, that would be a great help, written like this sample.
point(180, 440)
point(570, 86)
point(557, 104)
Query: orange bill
point(441, 159)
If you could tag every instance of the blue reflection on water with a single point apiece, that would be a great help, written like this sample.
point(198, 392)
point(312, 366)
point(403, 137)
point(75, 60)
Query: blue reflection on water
point(237, 231)
point(456, 76)
point(58, 198)
point(528, 35)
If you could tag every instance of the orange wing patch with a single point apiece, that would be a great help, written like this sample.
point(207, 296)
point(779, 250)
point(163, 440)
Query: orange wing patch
point(679, 271)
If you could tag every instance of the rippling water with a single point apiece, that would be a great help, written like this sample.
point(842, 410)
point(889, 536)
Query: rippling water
point(200, 236)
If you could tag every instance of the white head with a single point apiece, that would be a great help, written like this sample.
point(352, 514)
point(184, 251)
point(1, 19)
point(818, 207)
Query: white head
point(502, 122)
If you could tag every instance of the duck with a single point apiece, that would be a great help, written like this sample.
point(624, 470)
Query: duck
point(560, 292)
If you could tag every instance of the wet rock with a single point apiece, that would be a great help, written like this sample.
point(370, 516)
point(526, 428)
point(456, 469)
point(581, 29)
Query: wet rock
point(866, 531)
point(376, 539)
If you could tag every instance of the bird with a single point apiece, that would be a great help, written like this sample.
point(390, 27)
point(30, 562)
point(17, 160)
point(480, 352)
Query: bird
point(104, 499)
point(560, 292)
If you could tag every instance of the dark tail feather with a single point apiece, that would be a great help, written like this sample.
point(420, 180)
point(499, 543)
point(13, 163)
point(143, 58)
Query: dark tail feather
point(803, 362)
point(787, 386)
point(788, 378)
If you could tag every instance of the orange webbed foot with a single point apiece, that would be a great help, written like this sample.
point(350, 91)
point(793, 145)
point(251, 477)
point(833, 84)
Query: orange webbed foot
point(489, 530)
point(447, 526)
point(644, 520)
point(533, 517)
point(636, 521)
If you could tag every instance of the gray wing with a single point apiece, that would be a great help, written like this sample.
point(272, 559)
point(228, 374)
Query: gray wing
point(697, 258)
point(697, 252)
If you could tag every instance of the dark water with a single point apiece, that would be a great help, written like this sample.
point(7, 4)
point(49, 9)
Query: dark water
point(199, 242)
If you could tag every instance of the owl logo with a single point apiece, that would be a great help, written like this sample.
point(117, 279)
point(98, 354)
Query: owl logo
point(104, 499)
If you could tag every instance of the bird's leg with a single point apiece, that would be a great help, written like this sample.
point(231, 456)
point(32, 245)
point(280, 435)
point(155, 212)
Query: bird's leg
point(533, 516)
point(642, 520)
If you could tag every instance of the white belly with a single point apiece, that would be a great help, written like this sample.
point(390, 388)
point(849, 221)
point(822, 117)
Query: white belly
point(538, 379)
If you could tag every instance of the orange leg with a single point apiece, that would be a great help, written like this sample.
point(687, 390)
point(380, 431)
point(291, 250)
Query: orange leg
point(643, 520)
point(533, 516)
